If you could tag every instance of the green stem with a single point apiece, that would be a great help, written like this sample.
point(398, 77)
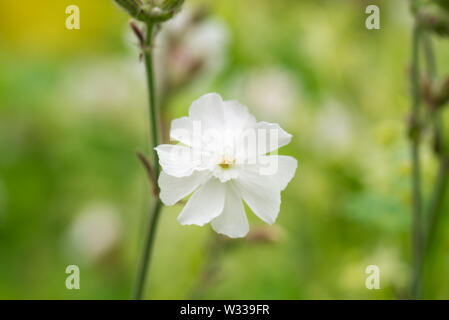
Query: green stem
point(146, 253)
point(416, 174)
point(153, 109)
point(430, 57)
point(436, 202)
point(437, 197)
point(154, 137)
point(435, 114)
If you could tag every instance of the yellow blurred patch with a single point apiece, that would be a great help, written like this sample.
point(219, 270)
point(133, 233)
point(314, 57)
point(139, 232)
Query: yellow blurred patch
point(40, 26)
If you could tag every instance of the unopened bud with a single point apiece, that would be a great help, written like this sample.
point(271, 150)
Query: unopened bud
point(156, 11)
point(151, 12)
point(131, 6)
point(435, 20)
point(172, 5)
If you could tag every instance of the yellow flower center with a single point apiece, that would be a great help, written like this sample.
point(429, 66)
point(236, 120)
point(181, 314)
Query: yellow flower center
point(226, 162)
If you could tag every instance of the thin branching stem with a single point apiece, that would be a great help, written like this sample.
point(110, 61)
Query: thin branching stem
point(147, 252)
point(434, 211)
point(154, 138)
point(435, 115)
point(416, 165)
point(437, 196)
point(152, 106)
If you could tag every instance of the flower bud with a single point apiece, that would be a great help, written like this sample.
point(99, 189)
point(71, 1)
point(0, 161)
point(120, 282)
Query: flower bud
point(434, 20)
point(149, 11)
point(131, 6)
point(171, 5)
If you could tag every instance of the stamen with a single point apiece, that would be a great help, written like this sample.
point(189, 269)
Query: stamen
point(226, 162)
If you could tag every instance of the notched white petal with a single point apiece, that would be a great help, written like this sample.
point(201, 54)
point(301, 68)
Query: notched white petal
point(178, 161)
point(205, 204)
point(209, 110)
point(283, 169)
point(173, 189)
point(237, 116)
point(261, 193)
point(182, 130)
point(270, 137)
point(232, 222)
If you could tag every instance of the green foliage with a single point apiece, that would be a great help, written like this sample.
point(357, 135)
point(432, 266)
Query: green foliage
point(443, 3)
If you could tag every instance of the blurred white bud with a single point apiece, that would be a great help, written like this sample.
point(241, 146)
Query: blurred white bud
point(209, 41)
point(188, 45)
point(94, 232)
point(334, 129)
point(103, 85)
point(272, 93)
point(393, 270)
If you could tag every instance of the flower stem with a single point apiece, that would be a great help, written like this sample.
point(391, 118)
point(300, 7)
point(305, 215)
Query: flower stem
point(436, 202)
point(154, 138)
point(146, 253)
point(153, 109)
point(437, 196)
point(433, 212)
point(416, 167)
point(435, 114)
point(430, 57)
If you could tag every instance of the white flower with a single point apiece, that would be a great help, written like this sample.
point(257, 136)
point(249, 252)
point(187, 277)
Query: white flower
point(223, 159)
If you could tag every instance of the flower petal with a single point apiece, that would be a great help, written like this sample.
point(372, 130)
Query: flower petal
point(182, 130)
point(208, 109)
point(270, 137)
point(237, 116)
point(261, 193)
point(232, 222)
point(284, 169)
point(205, 204)
point(174, 189)
point(178, 161)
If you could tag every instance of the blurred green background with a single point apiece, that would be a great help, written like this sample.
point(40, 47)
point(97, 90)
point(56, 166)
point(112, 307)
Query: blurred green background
point(73, 113)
